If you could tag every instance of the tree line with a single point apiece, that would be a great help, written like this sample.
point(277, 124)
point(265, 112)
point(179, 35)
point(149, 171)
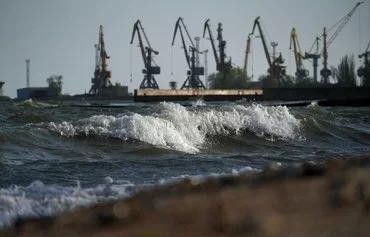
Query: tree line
point(343, 75)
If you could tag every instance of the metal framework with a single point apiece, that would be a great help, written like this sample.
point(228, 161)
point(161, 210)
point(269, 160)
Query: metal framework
point(193, 81)
point(301, 72)
point(147, 52)
point(276, 68)
point(221, 64)
point(102, 75)
point(325, 72)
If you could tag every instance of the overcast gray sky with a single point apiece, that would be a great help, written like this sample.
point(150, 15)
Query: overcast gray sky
point(58, 36)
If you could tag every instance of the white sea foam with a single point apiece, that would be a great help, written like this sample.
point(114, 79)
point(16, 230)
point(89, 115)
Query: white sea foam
point(183, 129)
point(34, 104)
point(39, 199)
point(202, 178)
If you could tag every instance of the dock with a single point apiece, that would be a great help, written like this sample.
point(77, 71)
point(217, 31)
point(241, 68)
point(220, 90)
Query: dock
point(151, 95)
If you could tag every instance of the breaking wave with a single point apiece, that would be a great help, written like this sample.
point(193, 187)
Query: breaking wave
point(186, 129)
point(39, 199)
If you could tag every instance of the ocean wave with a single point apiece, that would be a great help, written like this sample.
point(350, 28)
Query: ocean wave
point(39, 199)
point(174, 126)
point(29, 103)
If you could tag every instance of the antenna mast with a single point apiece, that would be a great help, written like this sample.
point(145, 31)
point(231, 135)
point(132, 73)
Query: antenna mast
point(28, 61)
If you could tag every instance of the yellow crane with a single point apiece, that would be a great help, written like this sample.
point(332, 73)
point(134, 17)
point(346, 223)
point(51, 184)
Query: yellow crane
point(301, 72)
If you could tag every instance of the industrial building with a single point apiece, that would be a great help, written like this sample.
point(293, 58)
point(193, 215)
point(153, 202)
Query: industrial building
point(32, 93)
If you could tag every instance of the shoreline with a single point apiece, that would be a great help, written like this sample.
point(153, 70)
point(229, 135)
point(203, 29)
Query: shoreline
point(328, 199)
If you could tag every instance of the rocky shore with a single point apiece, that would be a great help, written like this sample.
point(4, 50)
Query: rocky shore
point(329, 199)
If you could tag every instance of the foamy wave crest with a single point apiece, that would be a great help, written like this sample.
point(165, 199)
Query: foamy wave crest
point(30, 103)
point(183, 129)
point(274, 120)
point(39, 199)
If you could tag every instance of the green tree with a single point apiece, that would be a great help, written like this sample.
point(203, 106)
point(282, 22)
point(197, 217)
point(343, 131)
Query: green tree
point(268, 81)
point(346, 71)
point(233, 79)
point(55, 83)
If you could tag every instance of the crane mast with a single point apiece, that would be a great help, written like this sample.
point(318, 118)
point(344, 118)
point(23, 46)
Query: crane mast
point(276, 69)
point(147, 52)
point(301, 72)
point(193, 81)
point(102, 75)
point(247, 51)
point(315, 57)
point(325, 72)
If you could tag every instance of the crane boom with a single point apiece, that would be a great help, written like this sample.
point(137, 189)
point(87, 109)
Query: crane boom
point(179, 28)
point(137, 30)
point(276, 69)
point(262, 36)
point(325, 72)
point(341, 23)
point(221, 64)
point(206, 27)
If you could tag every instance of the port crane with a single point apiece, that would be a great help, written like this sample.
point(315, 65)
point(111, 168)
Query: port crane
point(221, 64)
point(147, 52)
point(361, 72)
point(276, 67)
point(325, 72)
point(101, 80)
point(301, 72)
point(192, 81)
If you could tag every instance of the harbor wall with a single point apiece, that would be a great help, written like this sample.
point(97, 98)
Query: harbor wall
point(266, 94)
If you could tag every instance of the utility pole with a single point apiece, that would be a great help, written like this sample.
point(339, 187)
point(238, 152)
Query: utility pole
point(325, 72)
point(206, 68)
point(28, 72)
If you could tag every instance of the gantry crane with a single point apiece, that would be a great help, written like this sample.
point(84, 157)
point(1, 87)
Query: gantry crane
point(247, 51)
point(301, 72)
point(361, 72)
point(192, 81)
point(102, 75)
point(147, 52)
point(325, 72)
point(221, 64)
point(276, 67)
